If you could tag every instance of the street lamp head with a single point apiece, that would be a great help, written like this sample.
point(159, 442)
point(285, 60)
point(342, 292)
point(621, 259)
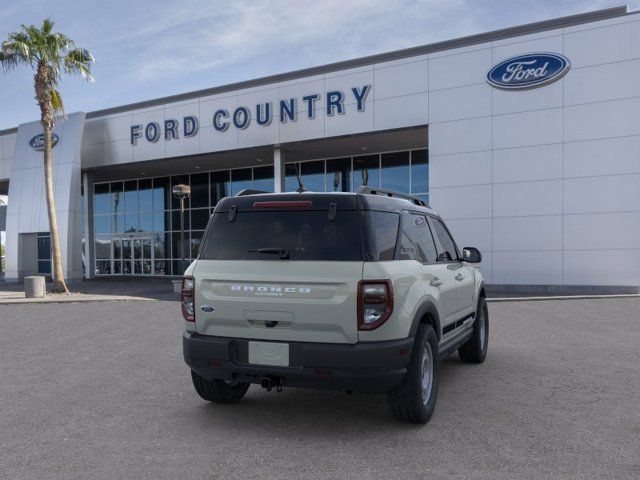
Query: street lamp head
point(181, 191)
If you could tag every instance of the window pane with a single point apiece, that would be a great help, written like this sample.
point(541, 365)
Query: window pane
point(131, 196)
point(103, 247)
point(175, 245)
point(339, 175)
point(220, 186)
point(161, 194)
point(240, 180)
point(313, 175)
point(199, 218)
point(424, 241)
point(444, 243)
point(179, 180)
point(117, 223)
point(44, 247)
point(196, 237)
point(101, 198)
point(175, 220)
point(420, 171)
point(103, 267)
point(161, 221)
point(146, 222)
point(117, 268)
point(130, 222)
point(117, 249)
point(263, 178)
point(200, 190)
point(366, 171)
point(44, 266)
point(383, 233)
point(117, 198)
point(395, 171)
point(160, 267)
point(101, 224)
point(159, 242)
point(126, 248)
point(290, 179)
point(145, 195)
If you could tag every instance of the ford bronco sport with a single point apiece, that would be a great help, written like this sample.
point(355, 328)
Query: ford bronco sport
point(358, 292)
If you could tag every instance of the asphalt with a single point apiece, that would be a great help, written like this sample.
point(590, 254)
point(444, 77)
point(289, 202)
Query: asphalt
point(100, 391)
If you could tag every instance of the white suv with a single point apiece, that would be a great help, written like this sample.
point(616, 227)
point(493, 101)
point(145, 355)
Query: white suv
point(356, 292)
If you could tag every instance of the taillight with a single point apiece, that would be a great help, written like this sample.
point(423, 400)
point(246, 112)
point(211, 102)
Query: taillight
point(187, 299)
point(375, 303)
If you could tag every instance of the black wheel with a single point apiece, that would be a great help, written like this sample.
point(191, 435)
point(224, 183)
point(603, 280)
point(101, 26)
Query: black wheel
point(475, 350)
point(218, 391)
point(415, 400)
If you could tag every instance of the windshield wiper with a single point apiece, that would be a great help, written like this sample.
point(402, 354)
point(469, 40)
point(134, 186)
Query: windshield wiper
point(283, 252)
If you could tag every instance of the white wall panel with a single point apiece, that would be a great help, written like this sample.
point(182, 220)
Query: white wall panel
point(599, 83)
point(509, 101)
point(460, 136)
point(345, 83)
point(210, 105)
point(603, 45)
point(601, 120)
point(255, 135)
point(528, 128)
point(459, 103)
point(602, 267)
point(117, 127)
point(350, 122)
point(459, 69)
point(613, 193)
point(602, 231)
point(92, 132)
point(212, 140)
point(541, 162)
point(527, 198)
point(527, 233)
point(527, 268)
point(300, 89)
point(471, 168)
point(472, 232)
point(402, 79)
point(550, 41)
point(302, 129)
point(396, 112)
point(602, 157)
point(462, 202)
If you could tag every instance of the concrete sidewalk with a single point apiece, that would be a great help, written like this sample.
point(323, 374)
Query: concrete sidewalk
point(103, 289)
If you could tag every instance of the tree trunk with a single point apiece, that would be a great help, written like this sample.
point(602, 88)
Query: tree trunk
point(59, 285)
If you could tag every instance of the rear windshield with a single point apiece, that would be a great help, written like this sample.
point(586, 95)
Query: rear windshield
point(284, 235)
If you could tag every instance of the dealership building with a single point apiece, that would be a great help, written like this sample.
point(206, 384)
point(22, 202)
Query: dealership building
point(526, 140)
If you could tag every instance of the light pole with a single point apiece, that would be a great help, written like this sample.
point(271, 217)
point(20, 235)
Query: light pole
point(181, 192)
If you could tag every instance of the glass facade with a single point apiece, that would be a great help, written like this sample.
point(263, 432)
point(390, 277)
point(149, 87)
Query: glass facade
point(137, 222)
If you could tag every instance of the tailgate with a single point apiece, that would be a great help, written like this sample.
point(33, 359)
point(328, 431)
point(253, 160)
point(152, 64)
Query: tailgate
point(306, 301)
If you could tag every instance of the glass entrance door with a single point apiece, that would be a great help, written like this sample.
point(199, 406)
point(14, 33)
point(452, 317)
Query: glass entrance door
point(133, 255)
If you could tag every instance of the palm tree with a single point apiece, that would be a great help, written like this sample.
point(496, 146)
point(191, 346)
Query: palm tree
point(49, 54)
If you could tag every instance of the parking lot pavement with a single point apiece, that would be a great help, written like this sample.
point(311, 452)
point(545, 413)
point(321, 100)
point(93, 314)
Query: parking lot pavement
point(101, 391)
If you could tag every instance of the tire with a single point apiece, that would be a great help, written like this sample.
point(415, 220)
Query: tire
point(218, 391)
point(475, 350)
point(415, 400)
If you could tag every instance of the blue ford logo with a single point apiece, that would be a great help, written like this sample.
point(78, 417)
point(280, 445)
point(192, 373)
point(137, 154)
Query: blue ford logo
point(528, 71)
point(37, 142)
point(207, 308)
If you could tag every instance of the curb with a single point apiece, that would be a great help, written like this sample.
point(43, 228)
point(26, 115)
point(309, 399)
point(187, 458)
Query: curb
point(31, 301)
point(560, 297)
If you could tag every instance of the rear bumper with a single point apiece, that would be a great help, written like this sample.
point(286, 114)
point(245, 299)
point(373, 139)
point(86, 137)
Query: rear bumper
point(374, 367)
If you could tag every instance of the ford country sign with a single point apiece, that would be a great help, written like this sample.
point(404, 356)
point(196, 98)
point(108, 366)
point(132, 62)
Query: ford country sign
point(528, 71)
point(37, 142)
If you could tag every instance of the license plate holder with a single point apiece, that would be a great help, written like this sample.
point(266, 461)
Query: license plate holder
point(269, 353)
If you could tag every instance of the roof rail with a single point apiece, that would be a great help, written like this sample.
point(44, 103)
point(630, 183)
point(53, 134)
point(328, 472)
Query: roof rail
point(390, 193)
point(249, 191)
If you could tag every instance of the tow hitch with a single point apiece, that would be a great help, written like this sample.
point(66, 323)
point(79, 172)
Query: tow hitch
point(269, 383)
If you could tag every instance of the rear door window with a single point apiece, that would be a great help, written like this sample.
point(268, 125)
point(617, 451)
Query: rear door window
point(445, 245)
point(425, 245)
point(267, 235)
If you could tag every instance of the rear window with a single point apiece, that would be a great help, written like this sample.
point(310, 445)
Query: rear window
point(274, 235)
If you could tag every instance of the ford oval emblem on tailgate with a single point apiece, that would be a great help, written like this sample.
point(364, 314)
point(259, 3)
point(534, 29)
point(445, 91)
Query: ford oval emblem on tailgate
point(207, 308)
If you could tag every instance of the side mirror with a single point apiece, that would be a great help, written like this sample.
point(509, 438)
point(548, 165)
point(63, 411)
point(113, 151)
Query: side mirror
point(471, 255)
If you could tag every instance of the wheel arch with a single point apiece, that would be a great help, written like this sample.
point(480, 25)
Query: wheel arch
point(427, 313)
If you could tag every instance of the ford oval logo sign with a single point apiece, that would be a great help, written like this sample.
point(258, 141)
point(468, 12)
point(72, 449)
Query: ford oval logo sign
point(528, 71)
point(37, 142)
point(207, 308)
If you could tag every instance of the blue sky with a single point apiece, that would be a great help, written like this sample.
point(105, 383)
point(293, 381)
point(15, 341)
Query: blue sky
point(149, 49)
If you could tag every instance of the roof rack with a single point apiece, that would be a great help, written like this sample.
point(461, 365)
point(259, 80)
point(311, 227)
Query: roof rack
point(249, 191)
point(390, 193)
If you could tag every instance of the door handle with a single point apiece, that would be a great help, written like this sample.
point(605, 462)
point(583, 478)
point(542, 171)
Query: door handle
point(436, 282)
point(459, 277)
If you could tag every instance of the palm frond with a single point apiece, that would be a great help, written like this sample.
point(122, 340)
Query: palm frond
point(78, 61)
point(56, 102)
